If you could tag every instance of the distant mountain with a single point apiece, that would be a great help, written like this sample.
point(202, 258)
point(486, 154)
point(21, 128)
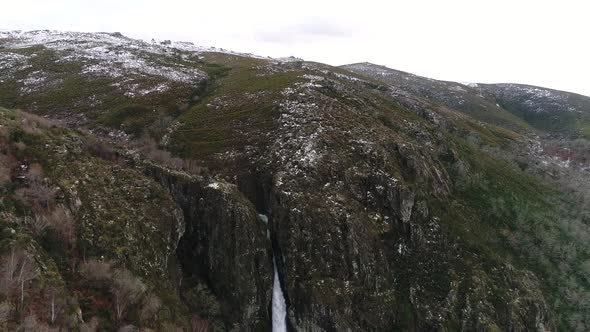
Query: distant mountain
point(548, 111)
point(167, 186)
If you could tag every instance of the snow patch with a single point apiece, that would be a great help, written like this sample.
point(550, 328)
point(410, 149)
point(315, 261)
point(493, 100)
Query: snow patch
point(471, 85)
point(214, 185)
point(457, 88)
point(109, 54)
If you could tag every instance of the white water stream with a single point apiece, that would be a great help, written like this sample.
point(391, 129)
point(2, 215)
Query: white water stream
point(279, 307)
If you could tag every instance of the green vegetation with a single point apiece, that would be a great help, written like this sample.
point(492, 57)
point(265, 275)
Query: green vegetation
point(61, 209)
point(444, 94)
point(394, 201)
point(514, 217)
point(99, 100)
point(549, 111)
point(239, 95)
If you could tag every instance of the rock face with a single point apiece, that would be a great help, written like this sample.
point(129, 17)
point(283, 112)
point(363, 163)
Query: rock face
point(224, 247)
point(386, 201)
point(379, 245)
point(350, 209)
point(85, 228)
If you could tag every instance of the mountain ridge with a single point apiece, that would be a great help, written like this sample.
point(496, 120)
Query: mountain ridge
point(390, 203)
point(196, 48)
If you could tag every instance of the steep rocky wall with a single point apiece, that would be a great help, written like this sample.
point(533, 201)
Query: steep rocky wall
point(224, 247)
point(360, 229)
point(341, 267)
point(385, 260)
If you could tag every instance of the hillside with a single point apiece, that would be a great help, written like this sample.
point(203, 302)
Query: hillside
point(164, 185)
point(551, 111)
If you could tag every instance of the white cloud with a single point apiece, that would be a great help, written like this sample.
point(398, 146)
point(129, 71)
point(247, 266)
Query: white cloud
point(304, 31)
point(536, 42)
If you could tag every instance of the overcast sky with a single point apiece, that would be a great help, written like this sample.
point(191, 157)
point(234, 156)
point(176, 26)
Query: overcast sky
point(523, 41)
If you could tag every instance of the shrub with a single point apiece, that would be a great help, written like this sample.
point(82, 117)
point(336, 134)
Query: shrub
point(149, 309)
point(127, 328)
point(102, 150)
point(32, 124)
point(170, 327)
point(35, 173)
point(16, 270)
point(31, 324)
point(90, 326)
point(7, 164)
point(20, 146)
point(38, 195)
point(96, 270)
point(63, 223)
point(5, 311)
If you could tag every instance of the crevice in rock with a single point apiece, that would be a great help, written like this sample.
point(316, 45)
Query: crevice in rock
point(256, 187)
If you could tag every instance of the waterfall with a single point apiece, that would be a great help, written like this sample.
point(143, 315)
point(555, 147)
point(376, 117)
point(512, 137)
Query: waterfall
point(279, 307)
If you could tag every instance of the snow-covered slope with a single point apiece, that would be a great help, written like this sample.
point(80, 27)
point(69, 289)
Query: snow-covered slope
point(140, 68)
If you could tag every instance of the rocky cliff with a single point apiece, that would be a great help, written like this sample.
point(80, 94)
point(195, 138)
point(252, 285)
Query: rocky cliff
point(388, 201)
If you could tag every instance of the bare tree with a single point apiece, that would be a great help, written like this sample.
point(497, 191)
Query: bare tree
point(36, 119)
point(17, 269)
point(54, 302)
point(27, 271)
point(39, 195)
point(150, 307)
point(199, 324)
point(36, 224)
point(63, 223)
point(126, 290)
point(8, 271)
